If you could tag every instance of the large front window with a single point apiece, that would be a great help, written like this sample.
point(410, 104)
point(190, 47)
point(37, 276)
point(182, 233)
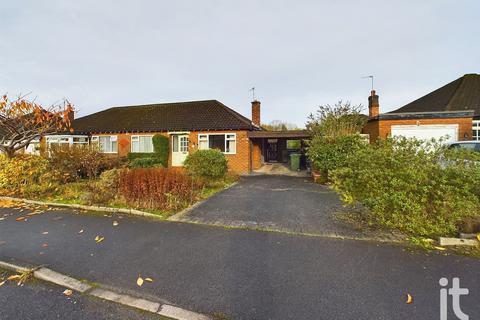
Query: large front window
point(106, 144)
point(476, 130)
point(225, 142)
point(143, 144)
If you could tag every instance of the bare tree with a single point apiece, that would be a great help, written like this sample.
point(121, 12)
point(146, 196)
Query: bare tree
point(22, 121)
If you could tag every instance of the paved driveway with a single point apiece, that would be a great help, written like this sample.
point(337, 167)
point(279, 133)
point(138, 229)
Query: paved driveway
point(280, 203)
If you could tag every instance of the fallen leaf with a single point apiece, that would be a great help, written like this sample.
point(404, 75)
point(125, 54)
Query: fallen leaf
point(57, 218)
point(2, 283)
point(45, 232)
point(96, 238)
point(13, 277)
point(81, 231)
point(409, 299)
point(440, 248)
point(139, 281)
point(99, 239)
point(2, 218)
point(478, 236)
point(21, 219)
point(149, 279)
point(68, 292)
point(115, 223)
point(2, 242)
point(45, 245)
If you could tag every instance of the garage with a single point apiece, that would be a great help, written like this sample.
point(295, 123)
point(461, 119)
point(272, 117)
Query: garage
point(426, 132)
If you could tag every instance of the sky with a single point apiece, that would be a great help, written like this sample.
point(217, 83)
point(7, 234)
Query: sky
point(297, 54)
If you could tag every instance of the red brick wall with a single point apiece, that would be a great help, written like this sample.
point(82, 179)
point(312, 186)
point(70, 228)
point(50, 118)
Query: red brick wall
point(382, 128)
point(238, 163)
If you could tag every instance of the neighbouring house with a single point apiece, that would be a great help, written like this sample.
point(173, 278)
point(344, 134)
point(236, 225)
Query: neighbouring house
point(189, 126)
point(452, 111)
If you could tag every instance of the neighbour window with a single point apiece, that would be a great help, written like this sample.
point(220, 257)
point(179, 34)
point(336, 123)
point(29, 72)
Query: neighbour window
point(227, 143)
point(143, 144)
point(293, 144)
point(476, 130)
point(106, 144)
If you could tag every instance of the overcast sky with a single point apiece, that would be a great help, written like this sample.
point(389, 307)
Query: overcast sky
point(298, 54)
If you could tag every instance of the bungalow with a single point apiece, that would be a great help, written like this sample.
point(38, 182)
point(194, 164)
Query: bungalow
point(189, 126)
point(452, 111)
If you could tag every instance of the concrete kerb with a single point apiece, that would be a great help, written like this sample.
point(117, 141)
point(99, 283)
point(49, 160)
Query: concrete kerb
point(62, 280)
point(83, 207)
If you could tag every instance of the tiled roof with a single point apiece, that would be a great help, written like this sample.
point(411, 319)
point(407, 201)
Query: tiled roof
point(179, 116)
point(459, 95)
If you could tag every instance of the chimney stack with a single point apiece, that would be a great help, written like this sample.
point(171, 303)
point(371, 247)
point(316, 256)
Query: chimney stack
point(373, 105)
point(256, 112)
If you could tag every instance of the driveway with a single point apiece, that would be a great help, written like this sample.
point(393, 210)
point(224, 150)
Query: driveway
point(281, 203)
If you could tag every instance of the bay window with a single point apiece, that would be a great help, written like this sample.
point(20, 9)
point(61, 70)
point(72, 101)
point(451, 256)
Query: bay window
point(225, 142)
point(142, 144)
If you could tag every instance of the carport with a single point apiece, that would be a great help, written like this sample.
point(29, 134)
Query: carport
point(276, 146)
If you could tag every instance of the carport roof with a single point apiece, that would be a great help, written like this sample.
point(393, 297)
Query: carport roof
point(291, 134)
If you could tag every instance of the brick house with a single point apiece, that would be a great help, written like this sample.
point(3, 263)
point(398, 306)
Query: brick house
point(452, 111)
point(189, 126)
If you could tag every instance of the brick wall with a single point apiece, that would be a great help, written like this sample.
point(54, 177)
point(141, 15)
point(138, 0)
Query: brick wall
point(256, 154)
point(382, 128)
point(238, 162)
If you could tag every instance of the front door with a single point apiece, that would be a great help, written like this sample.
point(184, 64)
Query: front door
point(179, 149)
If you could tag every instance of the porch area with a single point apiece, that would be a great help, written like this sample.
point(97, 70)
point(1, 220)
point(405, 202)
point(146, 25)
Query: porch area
point(272, 152)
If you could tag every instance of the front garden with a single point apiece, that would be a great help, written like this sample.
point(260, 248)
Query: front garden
point(420, 188)
point(83, 175)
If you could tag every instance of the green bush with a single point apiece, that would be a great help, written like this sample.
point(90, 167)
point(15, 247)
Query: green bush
point(159, 156)
point(104, 190)
point(160, 146)
point(406, 185)
point(144, 163)
point(327, 154)
point(207, 164)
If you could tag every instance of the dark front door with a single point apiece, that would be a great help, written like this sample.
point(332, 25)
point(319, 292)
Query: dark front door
point(272, 150)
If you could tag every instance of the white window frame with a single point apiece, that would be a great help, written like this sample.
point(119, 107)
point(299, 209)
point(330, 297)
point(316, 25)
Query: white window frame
point(201, 138)
point(133, 137)
point(476, 129)
point(64, 139)
point(96, 139)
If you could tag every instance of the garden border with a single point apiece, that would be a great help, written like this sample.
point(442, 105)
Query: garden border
point(84, 207)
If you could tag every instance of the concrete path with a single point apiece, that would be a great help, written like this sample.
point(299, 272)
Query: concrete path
point(240, 273)
point(282, 203)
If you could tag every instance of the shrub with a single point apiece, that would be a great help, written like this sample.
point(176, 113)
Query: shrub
point(144, 163)
point(160, 146)
point(157, 188)
point(207, 164)
point(25, 174)
point(405, 186)
point(328, 154)
point(104, 190)
point(74, 162)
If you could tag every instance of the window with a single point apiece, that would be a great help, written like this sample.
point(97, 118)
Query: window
point(143, 144)
point(66, 140)
point(180, 143)
point(227, 143)
point(294, 144)
point(476, 130)
point(106, 144)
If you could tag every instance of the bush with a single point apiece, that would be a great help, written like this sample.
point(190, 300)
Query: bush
point(207, 164)
point(74, 162)
point(157, 188)
point(159, 156)
point(104, 190)
point(25, 174)
point(144, 163)
point(327, 154)
point(405, 186)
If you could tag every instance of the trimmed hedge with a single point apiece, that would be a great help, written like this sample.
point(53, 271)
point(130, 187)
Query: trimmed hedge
point(145, 163)
point(160, 146)
point(207, 164)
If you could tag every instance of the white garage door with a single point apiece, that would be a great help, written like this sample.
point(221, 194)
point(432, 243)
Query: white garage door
point(427, 132)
